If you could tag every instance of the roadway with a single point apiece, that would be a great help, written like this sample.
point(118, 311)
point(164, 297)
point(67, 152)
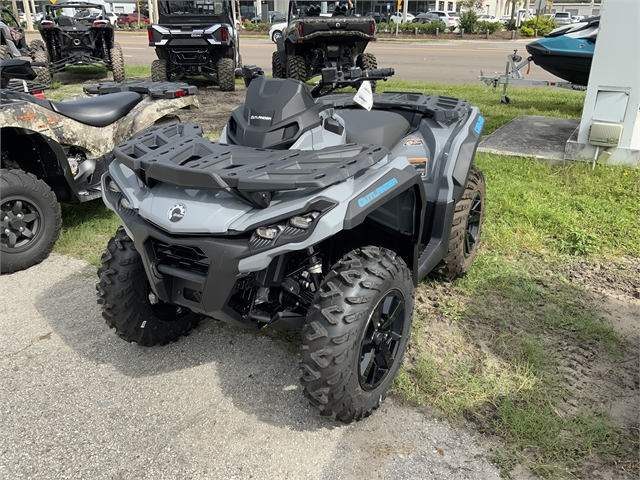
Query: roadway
point(443, 62)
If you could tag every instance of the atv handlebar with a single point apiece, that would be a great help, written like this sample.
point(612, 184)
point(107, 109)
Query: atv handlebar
point(331, 79)
point(334, 78)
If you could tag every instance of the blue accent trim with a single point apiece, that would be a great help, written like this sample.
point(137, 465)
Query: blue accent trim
point(479, 125)
point(377, 192)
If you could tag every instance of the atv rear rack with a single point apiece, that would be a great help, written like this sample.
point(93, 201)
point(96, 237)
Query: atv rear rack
point(153, 89)
point(178, 155)
point(441, 109)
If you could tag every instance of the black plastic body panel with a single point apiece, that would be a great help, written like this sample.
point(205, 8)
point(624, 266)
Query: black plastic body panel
point(380, 204)
point(214, 289)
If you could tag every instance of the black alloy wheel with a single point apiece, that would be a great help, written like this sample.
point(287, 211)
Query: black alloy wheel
point(21, 223)
point(381, 341)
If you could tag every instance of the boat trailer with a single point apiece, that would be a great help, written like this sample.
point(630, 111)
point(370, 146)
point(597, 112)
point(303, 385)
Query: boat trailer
point(513, 76)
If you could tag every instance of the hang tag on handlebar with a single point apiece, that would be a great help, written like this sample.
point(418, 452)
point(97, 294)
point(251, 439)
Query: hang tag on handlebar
point(364, 96)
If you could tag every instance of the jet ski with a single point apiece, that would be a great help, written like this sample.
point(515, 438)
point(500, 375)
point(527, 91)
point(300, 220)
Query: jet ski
point(567, 52)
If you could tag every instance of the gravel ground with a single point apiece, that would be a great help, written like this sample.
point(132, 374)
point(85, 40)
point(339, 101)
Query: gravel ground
point(78, 402)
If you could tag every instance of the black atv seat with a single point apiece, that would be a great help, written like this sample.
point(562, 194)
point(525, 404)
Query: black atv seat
point(374, 128)
point(99, 111)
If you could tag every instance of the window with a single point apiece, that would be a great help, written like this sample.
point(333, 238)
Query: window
point(192, 7)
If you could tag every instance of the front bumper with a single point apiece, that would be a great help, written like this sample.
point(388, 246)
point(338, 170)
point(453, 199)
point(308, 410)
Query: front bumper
point(194, 271)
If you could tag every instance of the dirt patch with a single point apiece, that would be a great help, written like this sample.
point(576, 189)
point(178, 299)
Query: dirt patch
point(215, 106)
point(599, 381)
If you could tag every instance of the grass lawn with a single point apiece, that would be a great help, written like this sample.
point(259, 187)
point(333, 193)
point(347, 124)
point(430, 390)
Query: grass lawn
point(488, 347)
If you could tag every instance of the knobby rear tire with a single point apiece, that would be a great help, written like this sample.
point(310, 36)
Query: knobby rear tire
point(40, 212)
point(226, 75)
point(117, 63)
point(367, 61)
point(296, 68)
point(466, 228)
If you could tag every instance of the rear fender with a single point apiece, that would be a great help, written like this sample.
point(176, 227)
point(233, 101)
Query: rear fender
point(149, 111)
point(40, 155)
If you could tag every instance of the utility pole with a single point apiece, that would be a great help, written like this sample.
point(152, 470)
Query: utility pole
point(27, 14)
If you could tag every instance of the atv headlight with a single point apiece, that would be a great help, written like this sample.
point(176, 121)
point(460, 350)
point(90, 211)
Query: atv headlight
point(303, 221)
point(124, 203)
point(114, 187)
point(268, 233)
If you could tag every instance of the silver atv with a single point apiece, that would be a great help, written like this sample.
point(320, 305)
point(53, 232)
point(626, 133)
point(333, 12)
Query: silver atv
point(310, 212)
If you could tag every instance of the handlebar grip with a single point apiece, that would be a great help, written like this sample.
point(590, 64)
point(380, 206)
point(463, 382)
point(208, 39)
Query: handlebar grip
point(380, 72)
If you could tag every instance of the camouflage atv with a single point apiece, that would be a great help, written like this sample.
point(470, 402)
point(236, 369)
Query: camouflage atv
point(314, 40)
point(57, 151)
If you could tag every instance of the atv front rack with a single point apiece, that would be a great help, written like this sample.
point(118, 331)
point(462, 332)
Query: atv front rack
point(178, 155)
point(153, 89)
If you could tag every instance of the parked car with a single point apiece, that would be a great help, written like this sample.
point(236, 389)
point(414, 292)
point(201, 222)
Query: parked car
point(274, 17)
point(578, 18)
point(112, 17)
point(488, 18)
point(128, 18)
point(399, 16)
point(505, 19)
point(450, 19)
point(427, 17)
point(276, 30)
point(563, 18)
point(377, 16)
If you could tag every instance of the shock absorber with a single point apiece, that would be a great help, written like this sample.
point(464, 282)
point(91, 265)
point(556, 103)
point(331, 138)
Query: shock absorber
point(315, 267)
point(315, 61)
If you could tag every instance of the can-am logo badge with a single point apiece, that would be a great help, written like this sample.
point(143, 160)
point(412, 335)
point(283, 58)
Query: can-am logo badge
point(177, 212)
point(260, 117)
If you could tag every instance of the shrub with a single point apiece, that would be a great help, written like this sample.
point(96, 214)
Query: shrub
point(250, 27)
point(510, 25)
point(409, 27)
point(431, 27)
point(528, 31)
point(543, 24)
point(482, 26)
point(468, 21)
point(133, 25)
point(382, 26)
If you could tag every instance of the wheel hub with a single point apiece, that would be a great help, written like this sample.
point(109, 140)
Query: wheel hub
point(382, 336)
point(19, 223)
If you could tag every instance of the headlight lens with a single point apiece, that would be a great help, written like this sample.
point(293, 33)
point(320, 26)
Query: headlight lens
point(124, 203)
point(303, 221)
point(268, 233)
point(114, 188)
